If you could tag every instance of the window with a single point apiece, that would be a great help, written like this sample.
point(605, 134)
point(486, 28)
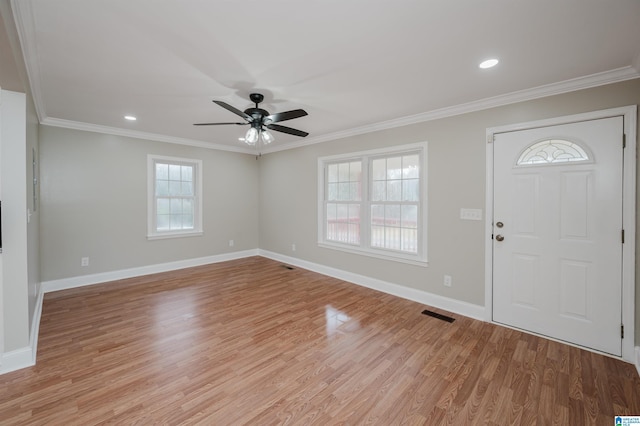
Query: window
point(174, 197)
point(374, 203)
point(343, 201)
point(552, 151)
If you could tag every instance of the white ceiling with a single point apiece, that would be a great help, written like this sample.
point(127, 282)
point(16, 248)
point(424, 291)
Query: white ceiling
point(353, 65)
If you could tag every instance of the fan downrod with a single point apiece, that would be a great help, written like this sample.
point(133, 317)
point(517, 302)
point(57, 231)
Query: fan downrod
point(257, 113)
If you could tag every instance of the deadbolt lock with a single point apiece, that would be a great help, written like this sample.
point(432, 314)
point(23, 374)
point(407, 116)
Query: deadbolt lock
point(499, 224)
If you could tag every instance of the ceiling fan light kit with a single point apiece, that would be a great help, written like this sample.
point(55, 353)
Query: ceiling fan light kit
point(252, 136)
point(261, 121)
point(267, 137)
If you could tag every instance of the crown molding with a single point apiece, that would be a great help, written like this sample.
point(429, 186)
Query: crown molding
point(580, 83)
point(77, 125)
point(586, 82)
point(26, 28)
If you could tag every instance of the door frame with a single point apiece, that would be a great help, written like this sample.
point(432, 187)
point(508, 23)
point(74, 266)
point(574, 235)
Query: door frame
point(628, 213)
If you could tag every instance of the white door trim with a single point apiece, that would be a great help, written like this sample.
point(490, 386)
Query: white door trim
point(628, 210)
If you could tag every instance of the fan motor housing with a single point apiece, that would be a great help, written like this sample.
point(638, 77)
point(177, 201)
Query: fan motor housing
point(256, 113)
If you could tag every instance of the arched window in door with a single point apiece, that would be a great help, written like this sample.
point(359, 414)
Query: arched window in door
point(552, 151)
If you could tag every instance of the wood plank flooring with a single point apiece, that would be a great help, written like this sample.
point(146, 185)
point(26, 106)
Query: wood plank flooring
point(251, 342)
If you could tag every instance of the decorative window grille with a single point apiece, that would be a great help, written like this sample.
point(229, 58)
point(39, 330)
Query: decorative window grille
point(552, 151)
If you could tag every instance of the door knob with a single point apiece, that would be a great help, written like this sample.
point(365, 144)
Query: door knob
point(499, 237)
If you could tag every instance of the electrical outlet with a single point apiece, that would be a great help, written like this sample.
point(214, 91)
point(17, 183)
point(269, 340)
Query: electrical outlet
point(84, 261)
point(231, 243)
point(293, 247)
point(447, 281)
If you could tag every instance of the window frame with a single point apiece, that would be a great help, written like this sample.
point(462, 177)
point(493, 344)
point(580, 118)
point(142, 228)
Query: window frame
point(152, 231)
point(364, 247)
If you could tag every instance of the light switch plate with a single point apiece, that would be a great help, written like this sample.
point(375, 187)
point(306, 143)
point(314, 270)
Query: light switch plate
point(471, 214)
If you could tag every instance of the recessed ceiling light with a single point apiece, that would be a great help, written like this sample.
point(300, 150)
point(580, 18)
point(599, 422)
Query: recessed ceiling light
point(488, 63)
point(130, 118)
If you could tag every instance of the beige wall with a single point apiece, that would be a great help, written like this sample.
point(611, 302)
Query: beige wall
point(93, 190)
point(94, 203)
point(456, 179)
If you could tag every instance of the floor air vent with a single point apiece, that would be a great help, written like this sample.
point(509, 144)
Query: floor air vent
point(439, 316)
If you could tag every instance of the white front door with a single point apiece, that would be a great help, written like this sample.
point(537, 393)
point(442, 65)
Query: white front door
point(557, 226)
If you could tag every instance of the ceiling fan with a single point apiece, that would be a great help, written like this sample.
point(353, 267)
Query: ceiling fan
point(259, 119)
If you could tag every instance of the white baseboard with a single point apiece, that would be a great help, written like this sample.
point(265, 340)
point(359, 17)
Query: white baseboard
point(84, 280)
point(24, 357)
point(17, 359)
point(441, 302)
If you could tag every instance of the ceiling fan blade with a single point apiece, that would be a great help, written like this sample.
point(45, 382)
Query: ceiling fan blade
point(234, 110)
point(286, 115)
point(218, 124)
point(284, 129)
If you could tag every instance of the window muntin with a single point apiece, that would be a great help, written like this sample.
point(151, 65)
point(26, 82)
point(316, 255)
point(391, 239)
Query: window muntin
point(395, 197)
point(175, 197)
point(343, 191)
point(552, 151)
point(374, 203)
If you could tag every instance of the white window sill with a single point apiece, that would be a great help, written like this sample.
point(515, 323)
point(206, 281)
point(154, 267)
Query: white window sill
point(181, 234)
point(378, 254)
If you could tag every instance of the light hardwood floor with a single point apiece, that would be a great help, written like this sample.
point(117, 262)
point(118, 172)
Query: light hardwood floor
point(251, 342)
